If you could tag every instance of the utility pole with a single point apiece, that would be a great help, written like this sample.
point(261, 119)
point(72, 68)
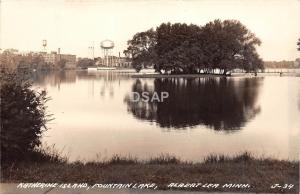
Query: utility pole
point(93, 50)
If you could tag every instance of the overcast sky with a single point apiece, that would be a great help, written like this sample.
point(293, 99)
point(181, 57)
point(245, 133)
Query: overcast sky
point(73, 25)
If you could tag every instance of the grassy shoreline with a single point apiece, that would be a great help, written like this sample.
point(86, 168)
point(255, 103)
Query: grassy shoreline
point(260, 173)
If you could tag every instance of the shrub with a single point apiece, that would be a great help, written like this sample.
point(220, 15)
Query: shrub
point(23, 116)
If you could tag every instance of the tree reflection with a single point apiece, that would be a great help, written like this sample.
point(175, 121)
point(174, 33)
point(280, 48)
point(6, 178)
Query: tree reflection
point(219, 103)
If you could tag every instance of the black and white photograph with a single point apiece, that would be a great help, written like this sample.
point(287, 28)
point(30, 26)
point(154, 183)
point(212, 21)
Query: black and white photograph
point(149, 96)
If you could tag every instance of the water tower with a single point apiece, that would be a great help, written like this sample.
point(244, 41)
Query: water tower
point(44, 45)
point(107, 47)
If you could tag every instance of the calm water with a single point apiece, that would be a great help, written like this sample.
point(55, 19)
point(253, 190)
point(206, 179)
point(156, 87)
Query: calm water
point(96, 117)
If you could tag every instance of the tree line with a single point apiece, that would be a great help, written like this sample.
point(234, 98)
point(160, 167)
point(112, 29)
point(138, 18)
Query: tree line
point(217, 47)
point(281, 64)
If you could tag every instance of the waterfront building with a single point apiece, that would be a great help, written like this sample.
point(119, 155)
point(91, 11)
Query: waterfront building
point(54, 58)
point(113, 61)
point(50, 57)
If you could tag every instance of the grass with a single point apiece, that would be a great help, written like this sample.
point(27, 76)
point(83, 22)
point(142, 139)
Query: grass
point(244, 157)
point(164, 159)
point(260, 173)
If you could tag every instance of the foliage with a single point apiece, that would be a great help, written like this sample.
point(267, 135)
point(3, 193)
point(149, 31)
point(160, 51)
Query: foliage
point(62, 63)
point(218, 46)
point(243, 157)
point(229, 45)
point(175, 49)
point(298, 43)
point(162, 170)
point(141, 49)
point(85, 63)
point(23, 116)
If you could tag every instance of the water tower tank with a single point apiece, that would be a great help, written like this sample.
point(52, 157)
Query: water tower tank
point(107, 44)
point(44, 43)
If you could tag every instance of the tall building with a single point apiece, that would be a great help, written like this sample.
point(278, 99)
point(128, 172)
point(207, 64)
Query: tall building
point(50, 57)
point(54, 58)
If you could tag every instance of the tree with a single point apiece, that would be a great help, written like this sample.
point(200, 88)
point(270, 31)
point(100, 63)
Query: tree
point(229, 45)
point(141, 49)
point(23, 116)
point(62, 63)
point(298, 43)
point(218, 46)
point(174, 47)
point(85, 63)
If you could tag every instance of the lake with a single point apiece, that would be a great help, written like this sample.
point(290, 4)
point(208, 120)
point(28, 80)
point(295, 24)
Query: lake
point(95, 116)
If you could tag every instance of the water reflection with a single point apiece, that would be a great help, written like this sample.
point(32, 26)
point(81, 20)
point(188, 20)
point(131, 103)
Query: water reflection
point(56, 78)
point(218, 103)
point(88, 122)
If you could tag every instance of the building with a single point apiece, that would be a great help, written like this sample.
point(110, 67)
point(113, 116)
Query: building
point(54, 58)
point(114, 61)
point(50, 58)
point(124, 62)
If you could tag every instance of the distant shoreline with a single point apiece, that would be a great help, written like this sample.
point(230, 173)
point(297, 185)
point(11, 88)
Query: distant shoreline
point(291, 74)
point(175, 75)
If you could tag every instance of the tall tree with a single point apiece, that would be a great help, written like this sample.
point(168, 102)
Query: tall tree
point(174, 46)
point(298, 43)
point(229, 45)
point(219, 46)
point(141, 49)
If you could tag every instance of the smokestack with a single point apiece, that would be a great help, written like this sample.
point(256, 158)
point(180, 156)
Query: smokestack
point(58, 51)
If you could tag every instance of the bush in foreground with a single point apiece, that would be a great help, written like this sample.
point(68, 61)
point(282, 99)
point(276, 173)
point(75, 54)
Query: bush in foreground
point(23, 116)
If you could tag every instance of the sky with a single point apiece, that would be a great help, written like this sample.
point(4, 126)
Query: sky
point(75, 25)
